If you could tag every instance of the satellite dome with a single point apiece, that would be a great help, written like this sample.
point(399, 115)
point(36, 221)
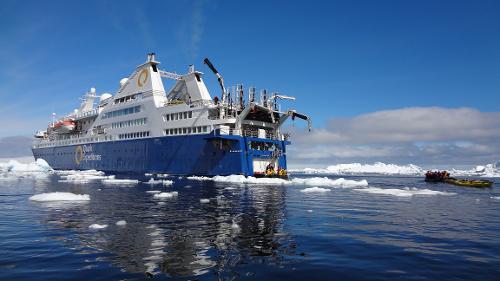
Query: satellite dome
point(105, 96)
point(123, 81)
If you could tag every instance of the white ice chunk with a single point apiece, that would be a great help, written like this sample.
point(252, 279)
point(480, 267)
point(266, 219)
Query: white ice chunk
point(121, 223)
point(495, 197)
point(167, 182)
point(153, 181)
point(405, 192)
point(78, 177)
point(315, 190)
point(153, 191)
point(204, 200)
point(120, 182)
point(59, 196)
point(317, 181)
point(97, 226)
point(166, 195)
point(241, 179)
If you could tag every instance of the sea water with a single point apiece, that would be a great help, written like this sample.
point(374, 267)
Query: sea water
point(93, 226)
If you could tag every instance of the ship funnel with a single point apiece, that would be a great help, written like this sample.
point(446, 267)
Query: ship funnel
point(151, 57)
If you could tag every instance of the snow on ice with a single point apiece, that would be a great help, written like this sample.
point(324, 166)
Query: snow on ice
point(59, 196)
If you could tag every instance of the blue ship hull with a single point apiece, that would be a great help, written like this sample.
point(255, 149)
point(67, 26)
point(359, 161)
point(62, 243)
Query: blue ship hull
point(205, 155)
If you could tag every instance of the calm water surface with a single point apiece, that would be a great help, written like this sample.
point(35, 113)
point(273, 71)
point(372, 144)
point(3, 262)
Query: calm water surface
point(249, 232)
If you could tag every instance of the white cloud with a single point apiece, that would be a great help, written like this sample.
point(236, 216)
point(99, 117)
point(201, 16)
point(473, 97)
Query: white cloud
point(408, 135)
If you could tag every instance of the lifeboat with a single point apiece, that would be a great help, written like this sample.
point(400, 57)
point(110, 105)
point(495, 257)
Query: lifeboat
point(64, 126)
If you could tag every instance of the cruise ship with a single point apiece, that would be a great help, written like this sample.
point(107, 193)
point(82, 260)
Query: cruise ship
point(185, 131)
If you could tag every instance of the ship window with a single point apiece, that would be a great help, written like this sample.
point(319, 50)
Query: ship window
point(167, 117)
point(185, 115)
point(204, 129)
point(190, 114)
point(175, 131)
point(184, 130)
point(189, 130)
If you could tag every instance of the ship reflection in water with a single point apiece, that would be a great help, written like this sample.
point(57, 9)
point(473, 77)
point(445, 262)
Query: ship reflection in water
point(179, 236)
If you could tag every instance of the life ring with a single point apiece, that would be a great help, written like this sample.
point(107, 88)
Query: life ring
point(78, 155)
point(143, 78)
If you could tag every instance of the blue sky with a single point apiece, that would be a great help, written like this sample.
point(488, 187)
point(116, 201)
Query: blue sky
point(341, 59)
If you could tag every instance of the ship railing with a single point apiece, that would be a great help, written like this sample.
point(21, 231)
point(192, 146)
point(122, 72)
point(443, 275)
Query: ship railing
point(89, 113)
point(246, 133)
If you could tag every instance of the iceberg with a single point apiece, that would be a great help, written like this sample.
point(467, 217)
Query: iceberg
point(59, 196)
point(358, 168)
point(379, 168)
point(14, 166)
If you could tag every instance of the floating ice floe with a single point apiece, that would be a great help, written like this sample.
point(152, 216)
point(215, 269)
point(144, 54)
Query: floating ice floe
point(340, 182)
point(79, 177)
point(120, 181)
point(152, 181)
point(204, 200)
point(315, 181)
point(59, 196)
point(97, 226)
point(314, 190)
point(495, 197)
point(235, 226)
point(167, 182)
point(405, 192)
point(240, 179)
point(166, 195)
point(153, 191)
point(121, 223)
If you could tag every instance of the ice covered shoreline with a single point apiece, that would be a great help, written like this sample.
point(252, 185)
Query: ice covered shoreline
point(379, 168)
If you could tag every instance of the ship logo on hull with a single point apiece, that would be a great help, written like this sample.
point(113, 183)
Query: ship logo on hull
point(85, 153)
point(78, 155)
point(143, 78)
